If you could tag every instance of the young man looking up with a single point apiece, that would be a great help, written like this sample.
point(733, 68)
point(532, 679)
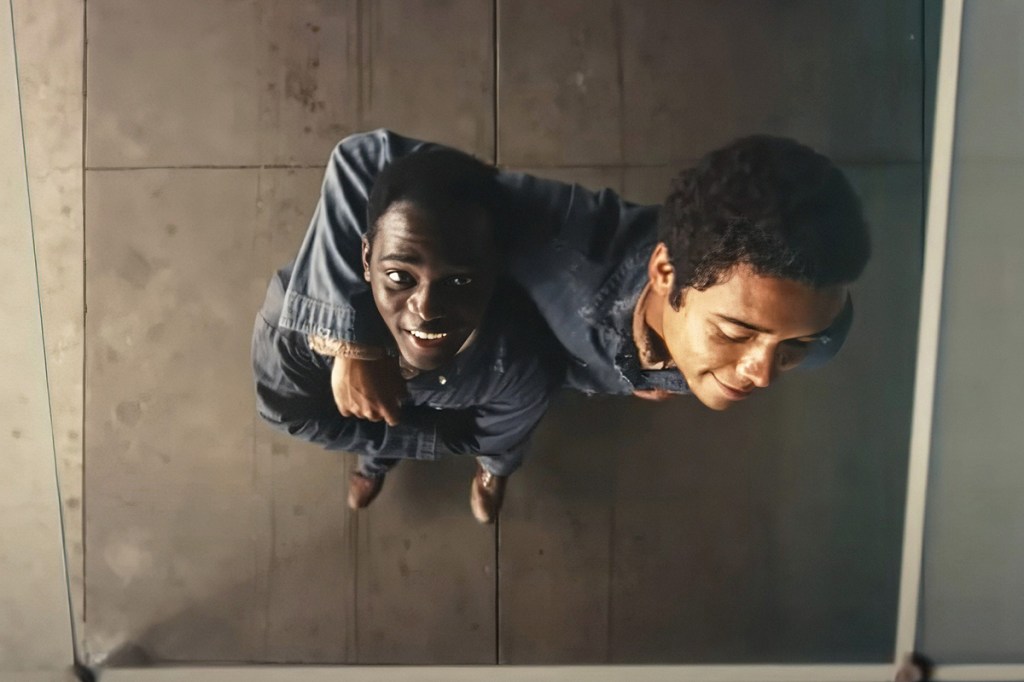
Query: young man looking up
point(476, 361)
point(740, 276)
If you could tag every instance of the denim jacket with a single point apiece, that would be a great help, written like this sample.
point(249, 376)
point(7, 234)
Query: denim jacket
point(488, 400)
point(581, 256)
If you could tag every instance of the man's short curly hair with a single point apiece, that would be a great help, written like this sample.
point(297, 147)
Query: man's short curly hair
point(437, 180)
point(769, 203)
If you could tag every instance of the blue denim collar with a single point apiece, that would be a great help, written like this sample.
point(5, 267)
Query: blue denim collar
point(612, 311)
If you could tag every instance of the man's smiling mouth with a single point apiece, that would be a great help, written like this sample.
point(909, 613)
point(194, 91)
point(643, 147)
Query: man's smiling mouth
point(428, 336)
point(733, 393)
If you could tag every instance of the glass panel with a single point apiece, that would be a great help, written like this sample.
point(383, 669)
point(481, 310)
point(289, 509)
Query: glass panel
point(971, 609)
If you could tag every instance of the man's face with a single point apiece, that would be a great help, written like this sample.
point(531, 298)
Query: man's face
point(432, 277)
point(739, 334)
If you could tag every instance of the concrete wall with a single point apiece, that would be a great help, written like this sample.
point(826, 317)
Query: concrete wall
point(35, 616)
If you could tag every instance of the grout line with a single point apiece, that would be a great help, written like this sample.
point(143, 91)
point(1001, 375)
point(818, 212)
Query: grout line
point(541, 167)
point(495, 120)
point(85, 309)
point(357, 529)
point(497, 590)
point(683, 163)
point(263, 166)
point(620, 78)
point(494, 79)
point(610, 592)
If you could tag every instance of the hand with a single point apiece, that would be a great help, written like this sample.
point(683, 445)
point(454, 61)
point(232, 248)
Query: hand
point(656, 394)
point(368, 389)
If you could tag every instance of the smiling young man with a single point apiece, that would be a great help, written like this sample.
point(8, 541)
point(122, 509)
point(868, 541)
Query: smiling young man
point(476, 363)
point(756, 246)
point(740, 276)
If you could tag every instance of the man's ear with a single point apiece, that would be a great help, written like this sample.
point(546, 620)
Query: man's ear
point(660, 271)
point(366, 259)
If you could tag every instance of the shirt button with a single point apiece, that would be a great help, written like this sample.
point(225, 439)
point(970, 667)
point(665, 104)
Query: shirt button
point(442, 380)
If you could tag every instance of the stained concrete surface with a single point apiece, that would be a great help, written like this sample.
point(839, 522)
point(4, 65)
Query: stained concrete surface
point(588, 83)
point(249, 82)
point(635, 532)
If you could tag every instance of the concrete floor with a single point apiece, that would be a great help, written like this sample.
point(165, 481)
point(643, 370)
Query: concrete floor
point(175, 151)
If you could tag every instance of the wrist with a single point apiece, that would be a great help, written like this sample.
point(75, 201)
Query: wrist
point(337, 348)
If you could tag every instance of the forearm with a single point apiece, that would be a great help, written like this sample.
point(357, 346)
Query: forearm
point(413, 438)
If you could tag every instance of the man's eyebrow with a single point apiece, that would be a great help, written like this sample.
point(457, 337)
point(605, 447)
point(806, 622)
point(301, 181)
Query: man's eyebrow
point(754, 327)
point(412, 259)
point(741, 323)
point(402, 258)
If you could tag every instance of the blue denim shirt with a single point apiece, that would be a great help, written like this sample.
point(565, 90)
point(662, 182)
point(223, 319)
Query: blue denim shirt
point(486, 401)
point(581, 256)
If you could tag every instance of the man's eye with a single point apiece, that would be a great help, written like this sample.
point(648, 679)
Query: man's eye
point(732, 339)
point(460, 280)
point(793, 351)
point(398, 277)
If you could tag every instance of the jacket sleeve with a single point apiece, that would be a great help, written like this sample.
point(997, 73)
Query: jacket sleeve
point(505, 424)
point(327, 295)
point(507, 416)
point(293, 395)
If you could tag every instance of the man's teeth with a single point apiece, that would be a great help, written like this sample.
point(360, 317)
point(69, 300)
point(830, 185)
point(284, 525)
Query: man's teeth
point(427, 335)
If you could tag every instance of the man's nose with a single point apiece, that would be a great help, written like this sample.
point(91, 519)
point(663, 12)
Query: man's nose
point(426, 303)
point(758, 366)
